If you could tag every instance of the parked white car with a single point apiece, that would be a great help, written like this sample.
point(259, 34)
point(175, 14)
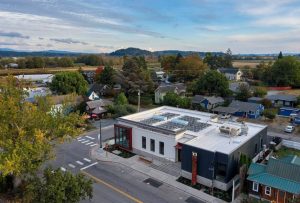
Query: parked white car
point(225, 116)
point(289, 129)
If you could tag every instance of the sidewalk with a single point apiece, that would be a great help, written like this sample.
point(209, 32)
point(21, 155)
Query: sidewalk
point(141, 167)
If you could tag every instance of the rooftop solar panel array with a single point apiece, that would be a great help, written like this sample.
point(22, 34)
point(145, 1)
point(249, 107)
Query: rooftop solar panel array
point(150, 121)
point(194, 123)
point(171, 126)
point(169, 115)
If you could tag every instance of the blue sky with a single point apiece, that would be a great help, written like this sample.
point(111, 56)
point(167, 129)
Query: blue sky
point(252, 26)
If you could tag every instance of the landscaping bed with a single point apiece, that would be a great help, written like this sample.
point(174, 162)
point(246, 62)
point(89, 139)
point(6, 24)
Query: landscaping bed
point(121, 152)
point(226, 196)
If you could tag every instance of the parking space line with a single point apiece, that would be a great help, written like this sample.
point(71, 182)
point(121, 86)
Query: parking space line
point(71, 165)
point(87, 160)
point(79, 162)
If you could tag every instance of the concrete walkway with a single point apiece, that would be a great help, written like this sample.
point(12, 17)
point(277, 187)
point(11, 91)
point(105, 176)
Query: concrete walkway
point(136, 164)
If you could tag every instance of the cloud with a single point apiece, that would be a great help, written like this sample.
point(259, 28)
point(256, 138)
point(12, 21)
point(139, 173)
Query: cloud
point(13, 35)
point(105, 46)
point(68, 41)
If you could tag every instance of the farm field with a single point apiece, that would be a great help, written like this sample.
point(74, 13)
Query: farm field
point(4, 72)
point(250, 63)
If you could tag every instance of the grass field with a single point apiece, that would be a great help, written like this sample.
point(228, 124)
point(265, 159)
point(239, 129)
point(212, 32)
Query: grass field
point(284, 151)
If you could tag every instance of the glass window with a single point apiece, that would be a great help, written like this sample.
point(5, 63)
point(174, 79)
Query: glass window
point(144, 142)
point(255, 186)
point(162, 148)
point(152, 145)
point(268, 190)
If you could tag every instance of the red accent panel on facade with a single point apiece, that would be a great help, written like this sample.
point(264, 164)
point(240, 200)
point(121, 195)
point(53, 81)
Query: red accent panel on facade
point(178, 146)
point(194, 168)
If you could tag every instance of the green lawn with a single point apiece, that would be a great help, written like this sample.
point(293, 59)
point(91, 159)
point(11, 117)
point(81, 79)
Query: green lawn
point(284, 151)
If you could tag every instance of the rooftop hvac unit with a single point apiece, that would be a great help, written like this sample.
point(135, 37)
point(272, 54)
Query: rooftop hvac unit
point(214, 118)
point(244, 129)
point(230, 131)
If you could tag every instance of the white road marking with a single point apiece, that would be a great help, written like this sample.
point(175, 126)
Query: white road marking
point(87, 160)
point(89, 166)
point(85, 141)
point(79, 162)
point(89, 143)
point(90, 137)
point(72, 166)
point(78, 138)
point(93, 145)
point(63, 169)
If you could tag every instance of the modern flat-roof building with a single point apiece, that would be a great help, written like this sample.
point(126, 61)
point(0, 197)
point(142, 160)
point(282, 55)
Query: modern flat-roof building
point(178, 135)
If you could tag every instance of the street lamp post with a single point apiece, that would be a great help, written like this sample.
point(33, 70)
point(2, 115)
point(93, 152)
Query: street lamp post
point(100, 135)
point(139, 100)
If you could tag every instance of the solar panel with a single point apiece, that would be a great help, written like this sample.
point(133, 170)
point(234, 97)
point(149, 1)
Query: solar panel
point(194, 123)
point(171, 126)
point(150, 121)
point(169, 115)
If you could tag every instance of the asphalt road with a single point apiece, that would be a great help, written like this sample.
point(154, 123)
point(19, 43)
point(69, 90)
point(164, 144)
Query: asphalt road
point(114, 183)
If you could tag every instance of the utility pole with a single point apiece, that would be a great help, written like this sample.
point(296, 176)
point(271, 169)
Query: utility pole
point(100, 135)
point(139, 100)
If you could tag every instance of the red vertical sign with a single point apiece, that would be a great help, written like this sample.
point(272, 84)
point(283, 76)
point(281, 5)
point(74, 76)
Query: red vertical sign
point(194, 168)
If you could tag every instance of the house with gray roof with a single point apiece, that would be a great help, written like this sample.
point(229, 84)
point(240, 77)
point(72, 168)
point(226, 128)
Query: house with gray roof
point(206, 102)
point(162, 90)
point(283, 100)
point(247, 109)
point(278, 181)
point(231, 73)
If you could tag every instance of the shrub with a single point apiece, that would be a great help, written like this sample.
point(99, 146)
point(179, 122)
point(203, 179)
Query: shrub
point(270, 113)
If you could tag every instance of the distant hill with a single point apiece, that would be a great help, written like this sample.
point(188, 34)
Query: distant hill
point(131, 52)
point(140, 52)
point(4, 52)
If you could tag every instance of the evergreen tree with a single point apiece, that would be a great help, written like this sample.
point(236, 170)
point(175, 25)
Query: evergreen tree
point(280, 56)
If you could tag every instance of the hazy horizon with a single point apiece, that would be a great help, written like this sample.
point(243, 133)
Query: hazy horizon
point(259, 26)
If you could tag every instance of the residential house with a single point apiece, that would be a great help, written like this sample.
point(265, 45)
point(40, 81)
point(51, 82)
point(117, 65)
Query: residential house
point(287, 111)
point(100, 89)
point(279, 100)
point(206, 102)
point(247, 109)
point(234, 86)
point(278, 181)
point(231, 73)
point(256, 100)
point(91, 95)
point(162, 90)
point(89, 76)
point(96, 108)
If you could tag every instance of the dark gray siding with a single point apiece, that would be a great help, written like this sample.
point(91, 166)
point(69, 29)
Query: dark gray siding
point(204, 160)
point(247, 149)
point(207, 159)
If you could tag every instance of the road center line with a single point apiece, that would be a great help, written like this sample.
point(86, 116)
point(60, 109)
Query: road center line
point(112, 187)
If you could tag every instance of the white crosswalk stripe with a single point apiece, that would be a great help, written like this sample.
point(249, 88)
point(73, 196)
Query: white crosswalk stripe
point(87, 160)
point(63, 169)
point(71, 165)
point(91, 138)
point(93, 145)
point(81, 139)
point(85, 141)
point(79, 162)
point(89, 143)
point(78, 138)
